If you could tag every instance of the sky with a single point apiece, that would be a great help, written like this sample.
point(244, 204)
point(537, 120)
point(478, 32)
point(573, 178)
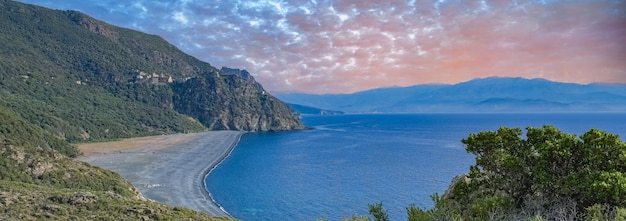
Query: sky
point(344, 46)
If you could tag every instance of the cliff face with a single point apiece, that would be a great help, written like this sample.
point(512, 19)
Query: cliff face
point(230, 99)
point(83, 79)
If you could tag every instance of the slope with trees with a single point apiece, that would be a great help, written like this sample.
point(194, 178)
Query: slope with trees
point(85, 80)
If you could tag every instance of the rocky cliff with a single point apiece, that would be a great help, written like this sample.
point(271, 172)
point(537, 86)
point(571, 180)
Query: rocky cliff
point(239, 103)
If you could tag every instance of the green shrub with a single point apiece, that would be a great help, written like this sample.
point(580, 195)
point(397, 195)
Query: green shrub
point(544, 175)
point(377, 211)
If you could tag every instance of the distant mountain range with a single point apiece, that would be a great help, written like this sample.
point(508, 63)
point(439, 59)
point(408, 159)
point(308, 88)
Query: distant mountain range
point(313, 110)
point(484, 95)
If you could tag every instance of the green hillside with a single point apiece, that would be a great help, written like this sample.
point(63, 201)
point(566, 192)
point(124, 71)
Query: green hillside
point(46, 54)
point(66, 77)
point(82, 79)
point(38, 182)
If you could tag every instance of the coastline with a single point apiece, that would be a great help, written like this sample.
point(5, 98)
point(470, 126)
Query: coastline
point(212, 167)
point(170, 169)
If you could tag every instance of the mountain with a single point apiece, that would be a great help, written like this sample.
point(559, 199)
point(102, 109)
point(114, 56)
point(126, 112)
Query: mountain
point(313, 111)
point(365, 101)
point(66, 77)
point(82, 79)
point(231, 100)
point(493, 94)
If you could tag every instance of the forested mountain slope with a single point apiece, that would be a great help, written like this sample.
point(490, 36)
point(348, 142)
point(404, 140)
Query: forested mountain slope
point(83, 79)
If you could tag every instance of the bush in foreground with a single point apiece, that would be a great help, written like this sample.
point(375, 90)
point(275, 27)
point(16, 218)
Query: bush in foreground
point(545, 175)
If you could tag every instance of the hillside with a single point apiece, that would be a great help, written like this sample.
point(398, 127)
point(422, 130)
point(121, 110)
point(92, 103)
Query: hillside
point(485, 95)
point(37, 182)
point(66, 77)
point(82, 79)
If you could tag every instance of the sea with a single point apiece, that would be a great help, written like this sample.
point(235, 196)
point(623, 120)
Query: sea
point(346, 162)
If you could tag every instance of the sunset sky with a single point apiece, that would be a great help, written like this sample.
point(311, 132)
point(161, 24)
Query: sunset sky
point(343, 46)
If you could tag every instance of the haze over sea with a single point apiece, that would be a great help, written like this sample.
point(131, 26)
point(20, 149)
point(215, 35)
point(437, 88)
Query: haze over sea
point(350, 161)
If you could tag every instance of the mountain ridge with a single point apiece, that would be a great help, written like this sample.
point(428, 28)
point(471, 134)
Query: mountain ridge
point(306, 110)
point(491, 94)
point(59, 64)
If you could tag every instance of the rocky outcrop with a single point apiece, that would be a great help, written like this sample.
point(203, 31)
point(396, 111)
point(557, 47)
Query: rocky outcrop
point(449, 193)
point(230, 99)
point(83, 198)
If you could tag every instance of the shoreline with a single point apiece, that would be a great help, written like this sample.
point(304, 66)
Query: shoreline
point(167, 168)
point(208, 172)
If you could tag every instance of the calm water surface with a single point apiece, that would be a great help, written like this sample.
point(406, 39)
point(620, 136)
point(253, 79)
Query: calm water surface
point(350, 161)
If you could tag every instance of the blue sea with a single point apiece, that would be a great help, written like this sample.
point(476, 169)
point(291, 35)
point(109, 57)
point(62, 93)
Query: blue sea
point(349, 161)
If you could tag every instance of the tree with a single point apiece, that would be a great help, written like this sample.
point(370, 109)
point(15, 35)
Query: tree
point(376, 210)
point(416, 214)
point(505, 158)
point(444, 210)
point(545, 175)
point(590, 169)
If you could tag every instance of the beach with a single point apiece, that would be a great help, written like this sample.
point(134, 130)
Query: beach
point(170, 168)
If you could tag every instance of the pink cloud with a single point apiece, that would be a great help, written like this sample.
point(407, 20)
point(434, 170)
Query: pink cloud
point(344, 46)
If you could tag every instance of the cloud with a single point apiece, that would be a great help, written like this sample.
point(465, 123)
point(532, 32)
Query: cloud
point(324, 46)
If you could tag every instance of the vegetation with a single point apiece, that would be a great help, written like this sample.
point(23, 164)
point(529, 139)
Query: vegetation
point(31, 159)
point(548, 169)
point(66, 77)
point(22, 201)
point(73, 76)
point(15, 131)
point(378, 212)
point(38, 182)
point(545, 175)
point(84, 80)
